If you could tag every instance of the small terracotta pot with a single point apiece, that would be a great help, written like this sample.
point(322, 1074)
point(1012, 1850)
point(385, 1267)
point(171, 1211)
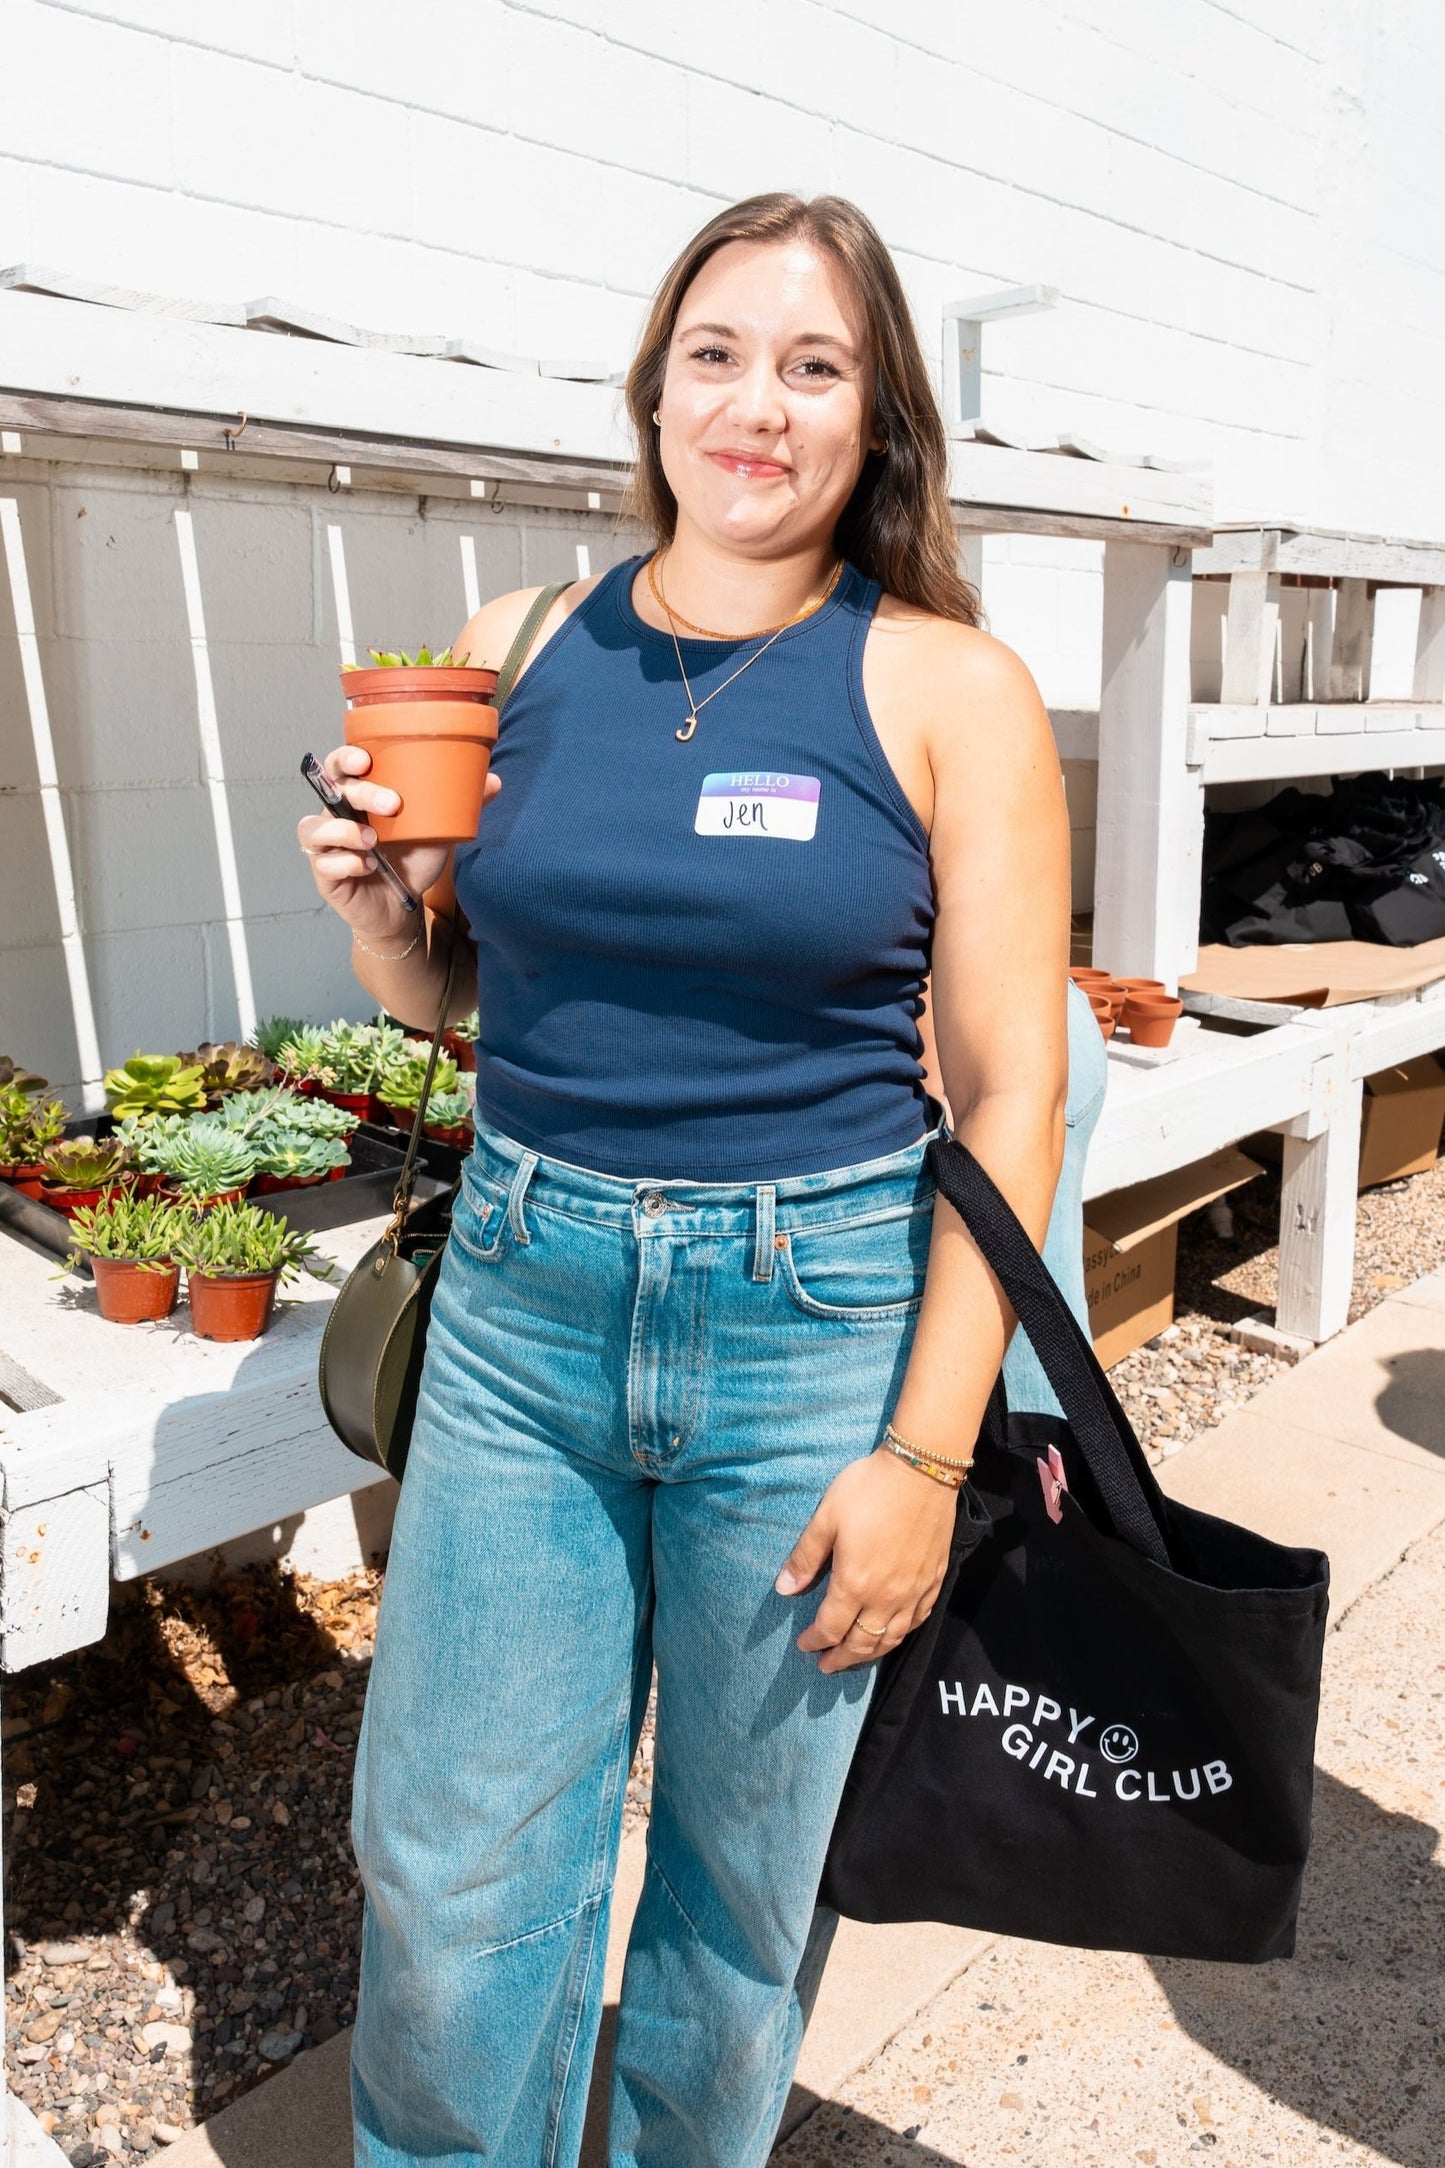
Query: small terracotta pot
point(1105, 1015)
point(1149, 1019)
point(231, 1305)
point(459, 1135)
point(130, 1294)
point(1145, 986)
point(69, 1201)
point(462, 1051)
point(1085, 974)
point(271, 1185)
point(430, 735)
point(364, 1105)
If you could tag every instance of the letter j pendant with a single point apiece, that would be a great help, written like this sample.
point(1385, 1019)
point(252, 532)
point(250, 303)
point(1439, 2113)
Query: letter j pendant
point(688, 727)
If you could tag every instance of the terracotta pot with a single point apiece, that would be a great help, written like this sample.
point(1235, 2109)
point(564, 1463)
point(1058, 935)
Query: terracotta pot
point(69, 1201)
point(459, 1135)
point(26, 1177)
point(129, 1294)
point(400, 1117)
point(430, 735)
point(462, 1051)
point(271, 1185)
point(1149, 1019)
point(230, 1305)
point(1145, 986)
point(1084, 974)
point(1105, 1015)
point(364, 1105)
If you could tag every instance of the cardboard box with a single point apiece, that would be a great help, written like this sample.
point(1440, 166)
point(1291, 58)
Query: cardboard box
point(1400, 1126)
point(1130, 1241)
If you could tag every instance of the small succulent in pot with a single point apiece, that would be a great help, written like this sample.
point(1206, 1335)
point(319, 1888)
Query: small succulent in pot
point(261, 1114)
point(449, 1118)
point(404, 1074)
point(131, 1242)
point(428, 723)
point(227, 1067)
point(235, 1258)
point(154, 1084)
point(76, 1173)
point(289, 1159)
point(271, 1034)
point(27, 1127)
point(460, 1041)
point(14, 1078)
point(205, 1160)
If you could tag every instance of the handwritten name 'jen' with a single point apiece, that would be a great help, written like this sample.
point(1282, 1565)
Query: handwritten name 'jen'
point(745, 813)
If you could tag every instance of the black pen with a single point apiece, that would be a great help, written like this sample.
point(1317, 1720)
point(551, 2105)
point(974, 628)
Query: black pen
point(336, 801)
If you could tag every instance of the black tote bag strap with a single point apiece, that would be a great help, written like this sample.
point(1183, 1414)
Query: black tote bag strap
point(1125, 1483)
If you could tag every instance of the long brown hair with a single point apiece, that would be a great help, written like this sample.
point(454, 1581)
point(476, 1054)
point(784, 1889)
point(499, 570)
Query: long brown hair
point(896, 527)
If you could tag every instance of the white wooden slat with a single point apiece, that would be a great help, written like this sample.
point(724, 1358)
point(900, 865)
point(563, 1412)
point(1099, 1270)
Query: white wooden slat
point(55, 1576)
point(1327, 554)
point(584, 561)
point(1430, 646)
point(1262, 760)
point(82, 1006)
point(1251, 637)
point(471, 588)
point(214, 766)
point(988, 474)
point(1319, 638)
point(1290, 719)
point(1350, 644)
point(1151, 803)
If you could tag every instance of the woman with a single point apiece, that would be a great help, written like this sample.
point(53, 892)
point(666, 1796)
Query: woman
point(705, 1359)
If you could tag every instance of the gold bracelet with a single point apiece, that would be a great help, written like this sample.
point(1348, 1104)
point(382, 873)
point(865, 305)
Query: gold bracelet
point(952, 1478)
point(907, 1445)
point(411, 944)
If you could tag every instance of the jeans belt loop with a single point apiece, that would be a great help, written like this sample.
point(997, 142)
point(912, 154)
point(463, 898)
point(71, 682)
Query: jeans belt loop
point(525, 1168)
point(763, 1250)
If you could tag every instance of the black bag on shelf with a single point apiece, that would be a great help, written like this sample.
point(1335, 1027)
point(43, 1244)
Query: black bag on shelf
point(1103, 1735)
point(1365, 862)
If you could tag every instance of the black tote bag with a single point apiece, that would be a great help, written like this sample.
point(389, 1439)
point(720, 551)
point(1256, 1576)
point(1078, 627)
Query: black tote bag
point(1103, 1734)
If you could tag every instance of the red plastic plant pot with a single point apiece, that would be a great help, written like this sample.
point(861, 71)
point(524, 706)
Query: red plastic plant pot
point(272, 1185)
point(231, 1305)
point(26, 1178)
point(459, 1135)
point(365, 1106)
point(132, 1294)
point(68, 1201)
point(462, 1051)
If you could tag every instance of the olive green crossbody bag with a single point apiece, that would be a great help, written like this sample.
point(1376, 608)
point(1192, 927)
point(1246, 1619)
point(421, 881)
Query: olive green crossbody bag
point(375, 1338)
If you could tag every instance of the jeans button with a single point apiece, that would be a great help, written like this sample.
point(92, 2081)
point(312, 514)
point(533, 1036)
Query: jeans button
point(653, 1203)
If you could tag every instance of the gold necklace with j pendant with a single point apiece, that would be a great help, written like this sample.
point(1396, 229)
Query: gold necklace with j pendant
point(775, 632)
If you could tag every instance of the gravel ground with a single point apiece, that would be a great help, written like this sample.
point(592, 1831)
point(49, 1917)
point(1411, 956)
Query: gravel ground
point(181, 1905)
point(1051, 2058)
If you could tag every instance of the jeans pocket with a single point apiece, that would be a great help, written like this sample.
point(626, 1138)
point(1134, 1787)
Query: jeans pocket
point(481, 1224)
point(862, 1269)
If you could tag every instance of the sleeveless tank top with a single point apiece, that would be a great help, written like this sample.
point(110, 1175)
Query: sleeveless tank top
point(705, 959)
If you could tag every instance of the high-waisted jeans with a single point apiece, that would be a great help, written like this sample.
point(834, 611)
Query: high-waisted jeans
point(635, 1394)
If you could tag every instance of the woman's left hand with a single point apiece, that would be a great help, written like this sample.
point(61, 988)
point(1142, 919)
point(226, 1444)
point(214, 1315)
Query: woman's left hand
point(887, 1531)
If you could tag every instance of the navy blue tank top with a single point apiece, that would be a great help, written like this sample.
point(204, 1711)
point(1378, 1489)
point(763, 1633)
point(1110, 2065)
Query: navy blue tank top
point(705, 959)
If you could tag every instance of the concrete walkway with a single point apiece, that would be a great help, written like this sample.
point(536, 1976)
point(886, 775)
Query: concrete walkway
point(932, 2046)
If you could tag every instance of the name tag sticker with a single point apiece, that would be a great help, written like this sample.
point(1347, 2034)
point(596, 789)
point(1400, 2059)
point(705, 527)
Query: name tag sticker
point(758, 803)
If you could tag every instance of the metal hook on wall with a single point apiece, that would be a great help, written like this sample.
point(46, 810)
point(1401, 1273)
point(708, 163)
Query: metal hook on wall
point(233, 436)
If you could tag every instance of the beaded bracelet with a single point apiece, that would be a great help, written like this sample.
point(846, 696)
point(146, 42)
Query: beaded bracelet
point(950, 1478)
point(944, 1460)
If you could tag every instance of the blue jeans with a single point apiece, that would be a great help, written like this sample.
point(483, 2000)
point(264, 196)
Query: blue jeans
point(634, 1395)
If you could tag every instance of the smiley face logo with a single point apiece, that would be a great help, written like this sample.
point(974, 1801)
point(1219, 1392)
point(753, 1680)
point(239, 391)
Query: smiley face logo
point(1118, 1743)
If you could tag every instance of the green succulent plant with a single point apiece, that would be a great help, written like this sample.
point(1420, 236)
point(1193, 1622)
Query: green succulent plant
point(204, 1158)
point(227, 1067)
point(258, 1115)
point(154, 1084)
point(14, 1078)
point(242, 1238)
point(470, 1027)
point(385, 658)
point(139, 1230)
point(27, 1125)
point(448, 1110)
point(402, 1078)
point(271, 1033)
point(343, 1057)
point(82, 1163)
point(289, 1155)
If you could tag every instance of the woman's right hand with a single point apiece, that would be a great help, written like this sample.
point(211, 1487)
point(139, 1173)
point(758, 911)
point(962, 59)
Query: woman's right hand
point(342, 851)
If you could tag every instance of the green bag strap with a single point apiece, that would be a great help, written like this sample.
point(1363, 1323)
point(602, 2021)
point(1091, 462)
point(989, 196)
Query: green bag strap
point(506, 677)
point(526, 633)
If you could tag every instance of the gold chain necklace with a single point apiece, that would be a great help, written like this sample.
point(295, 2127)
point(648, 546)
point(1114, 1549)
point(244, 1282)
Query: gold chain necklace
point(695, 706)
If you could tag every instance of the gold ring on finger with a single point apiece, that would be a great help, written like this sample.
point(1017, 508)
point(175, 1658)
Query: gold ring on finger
point(875, 1633)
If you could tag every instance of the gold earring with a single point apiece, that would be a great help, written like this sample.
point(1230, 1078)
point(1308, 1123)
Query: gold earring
point(657, 417)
